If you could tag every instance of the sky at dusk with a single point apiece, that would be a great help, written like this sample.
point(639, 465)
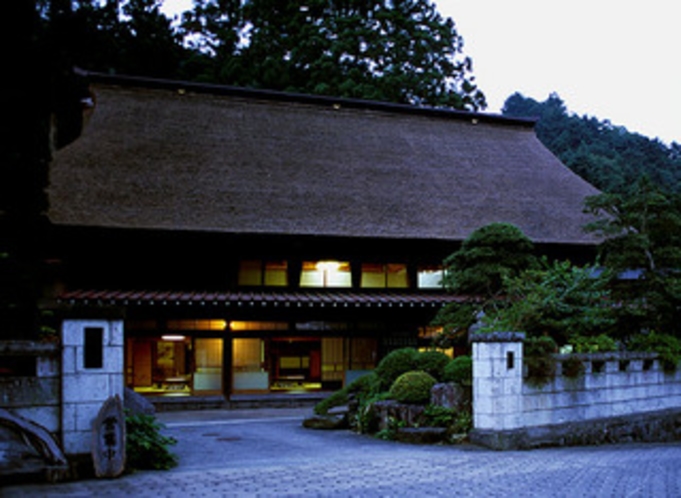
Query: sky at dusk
point(610, 59)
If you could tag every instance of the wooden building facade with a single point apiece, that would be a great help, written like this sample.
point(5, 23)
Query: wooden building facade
point(259, 241)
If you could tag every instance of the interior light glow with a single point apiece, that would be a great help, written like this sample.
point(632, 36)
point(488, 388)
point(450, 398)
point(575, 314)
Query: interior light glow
point(173, 337)
point(328, 266)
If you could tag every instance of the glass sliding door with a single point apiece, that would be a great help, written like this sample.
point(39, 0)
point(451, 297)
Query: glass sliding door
point(248, 366)
point(208, 361)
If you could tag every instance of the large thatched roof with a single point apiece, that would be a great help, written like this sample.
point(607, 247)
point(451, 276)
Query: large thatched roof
point(169, 155)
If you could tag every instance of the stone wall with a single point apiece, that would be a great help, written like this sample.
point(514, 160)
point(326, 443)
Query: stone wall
point(611, 385)
point(92, 371)
point(34, 395)
point(507, 406)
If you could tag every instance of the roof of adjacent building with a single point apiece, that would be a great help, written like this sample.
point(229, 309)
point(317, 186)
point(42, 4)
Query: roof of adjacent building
point(180, 156)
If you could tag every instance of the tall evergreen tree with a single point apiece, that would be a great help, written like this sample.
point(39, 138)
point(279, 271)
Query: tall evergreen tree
point(641, 250)
point(399, 51)
point(479, 272)
point(212, 30)
point(123, 36)
point(391, 50)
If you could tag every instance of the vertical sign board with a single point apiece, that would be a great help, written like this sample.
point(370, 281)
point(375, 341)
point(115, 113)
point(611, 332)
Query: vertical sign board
point(108, 439)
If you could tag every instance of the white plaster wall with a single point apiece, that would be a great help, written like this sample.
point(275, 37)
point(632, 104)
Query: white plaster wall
point(84, 390)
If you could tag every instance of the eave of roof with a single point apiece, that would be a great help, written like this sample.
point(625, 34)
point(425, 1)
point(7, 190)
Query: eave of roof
point(258, 298)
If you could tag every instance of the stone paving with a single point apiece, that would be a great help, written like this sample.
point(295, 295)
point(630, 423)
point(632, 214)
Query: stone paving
point(268, 453)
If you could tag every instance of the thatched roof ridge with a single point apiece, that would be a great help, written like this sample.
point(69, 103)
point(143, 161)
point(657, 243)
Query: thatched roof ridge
point(176, 155)
point(303, 98)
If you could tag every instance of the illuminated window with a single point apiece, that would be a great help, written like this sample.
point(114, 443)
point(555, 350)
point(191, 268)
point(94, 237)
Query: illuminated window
point(257, 273)
point(373, 275)
point(254, 326)
point(196, 325)
point(429, 331)
point(381, 276)
point(396, 276)
point(276, 273)
point(325, 274)
point(430, 277)
point(208, 359)
point(250, 272)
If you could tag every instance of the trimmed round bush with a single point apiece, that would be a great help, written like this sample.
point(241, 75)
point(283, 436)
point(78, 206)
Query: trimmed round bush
point(412, 387)
point(395, 364)
point(433, 362)
point(459, 370)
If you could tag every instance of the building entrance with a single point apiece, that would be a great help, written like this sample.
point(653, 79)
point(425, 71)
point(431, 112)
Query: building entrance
point(296, 363)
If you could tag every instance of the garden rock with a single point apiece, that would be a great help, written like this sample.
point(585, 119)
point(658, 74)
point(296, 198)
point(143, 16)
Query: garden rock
point(388, 411)
point(137, 404)
point(326, 422)
point(450, 395)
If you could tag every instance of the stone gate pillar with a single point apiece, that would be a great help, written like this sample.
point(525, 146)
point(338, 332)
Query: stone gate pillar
point(92, 371)
point(497, 380)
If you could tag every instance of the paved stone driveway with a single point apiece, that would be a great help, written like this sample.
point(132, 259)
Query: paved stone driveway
point(268, 453)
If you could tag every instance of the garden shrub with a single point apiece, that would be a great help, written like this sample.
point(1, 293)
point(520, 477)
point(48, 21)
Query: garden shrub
point(412, 387)
point(573, 367)
point(433, 362)
point(459, 370)
point(596, 344)
point(146, 448)
point(365, 419)
point(439, 416)
point(667, 346)
point(538, 357)
point(395, 364)
point(362, 387)
point(338, 398)
point(463, 423)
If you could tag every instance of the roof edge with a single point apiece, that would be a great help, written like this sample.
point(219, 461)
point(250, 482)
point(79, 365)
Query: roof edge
point(320, 100)
point(585, 242)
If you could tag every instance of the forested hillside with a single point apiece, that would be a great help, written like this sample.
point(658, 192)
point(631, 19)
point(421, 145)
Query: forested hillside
point(608, 156)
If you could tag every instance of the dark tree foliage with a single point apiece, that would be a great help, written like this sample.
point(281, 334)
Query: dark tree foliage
point(642, 254)
point(398, 51)
point(41, 106)
point(121, 36)
point(607, 156)
point(489, 254)
point(479, 271)
point(212, 31)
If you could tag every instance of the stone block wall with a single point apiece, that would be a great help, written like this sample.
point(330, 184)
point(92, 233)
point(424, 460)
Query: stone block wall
point(34, 396)
point(613, 386)
point(497, 381)
point(92, 371)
